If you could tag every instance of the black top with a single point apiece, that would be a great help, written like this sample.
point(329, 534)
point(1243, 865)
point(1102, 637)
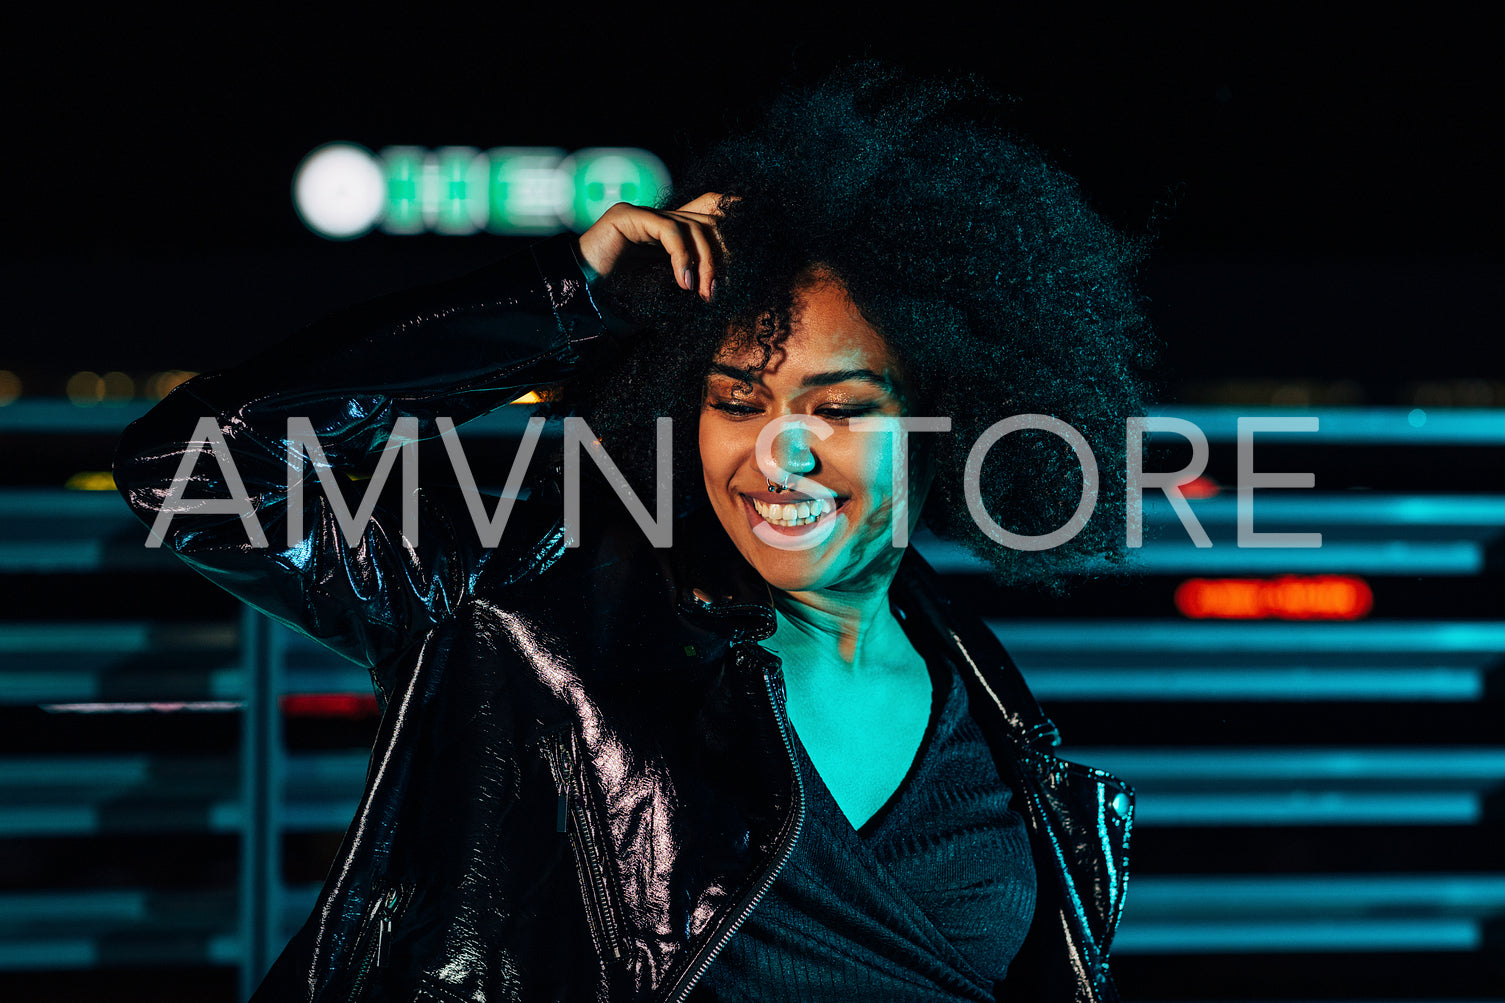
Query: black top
point(929, 901)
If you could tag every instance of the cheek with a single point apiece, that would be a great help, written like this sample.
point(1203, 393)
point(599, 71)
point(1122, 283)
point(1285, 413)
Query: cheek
point(717, 459)
point(867, 459)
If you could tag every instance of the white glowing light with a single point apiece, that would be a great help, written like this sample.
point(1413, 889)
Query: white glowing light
point(339, 191)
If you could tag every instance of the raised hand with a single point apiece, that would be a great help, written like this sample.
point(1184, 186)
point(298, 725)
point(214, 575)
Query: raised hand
point(686, 234)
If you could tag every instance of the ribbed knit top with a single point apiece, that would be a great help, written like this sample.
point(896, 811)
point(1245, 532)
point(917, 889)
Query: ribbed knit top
point(929, 901)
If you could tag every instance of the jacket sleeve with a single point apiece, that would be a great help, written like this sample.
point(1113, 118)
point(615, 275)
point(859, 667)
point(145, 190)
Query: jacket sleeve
point(458, 350)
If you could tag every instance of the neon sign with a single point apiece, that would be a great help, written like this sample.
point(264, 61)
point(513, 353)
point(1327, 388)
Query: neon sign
point(1289, 597)
point(342, 190)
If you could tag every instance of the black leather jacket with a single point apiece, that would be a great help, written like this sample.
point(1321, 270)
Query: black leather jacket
point(583, 780)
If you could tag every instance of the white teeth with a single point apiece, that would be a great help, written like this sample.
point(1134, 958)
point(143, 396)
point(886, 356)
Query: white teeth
point(794, 514)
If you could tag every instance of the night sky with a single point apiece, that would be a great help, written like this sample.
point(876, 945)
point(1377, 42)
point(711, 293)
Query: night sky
point(1329, 186)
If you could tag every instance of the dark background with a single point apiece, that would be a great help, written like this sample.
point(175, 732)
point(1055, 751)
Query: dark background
point(1330, 182)
point(1331, 231)
point(1328, 190)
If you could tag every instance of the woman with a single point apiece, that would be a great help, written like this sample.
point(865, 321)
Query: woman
point(768, 761)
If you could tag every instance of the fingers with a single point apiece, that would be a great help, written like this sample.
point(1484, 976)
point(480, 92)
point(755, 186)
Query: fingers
point(710, 202)
point(678, 239)
point(705, 274)
point(686, 235)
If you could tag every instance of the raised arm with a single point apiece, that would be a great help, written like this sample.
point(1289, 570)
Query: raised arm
point(456, 350)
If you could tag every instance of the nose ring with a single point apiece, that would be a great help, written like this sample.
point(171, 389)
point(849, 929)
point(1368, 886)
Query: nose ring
point(780, 488)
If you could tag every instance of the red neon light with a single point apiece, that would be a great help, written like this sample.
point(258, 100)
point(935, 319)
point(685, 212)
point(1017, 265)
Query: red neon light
point(1199, 487)
point(1289, 597)
point(350, 705)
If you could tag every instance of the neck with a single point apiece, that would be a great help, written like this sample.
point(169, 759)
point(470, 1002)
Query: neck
point(852, 633)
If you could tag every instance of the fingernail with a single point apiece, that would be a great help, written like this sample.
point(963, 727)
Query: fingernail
point(713, 289)
point(689, 279)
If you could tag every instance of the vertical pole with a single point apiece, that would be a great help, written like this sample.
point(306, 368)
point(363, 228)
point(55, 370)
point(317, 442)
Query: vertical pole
point(261, 798)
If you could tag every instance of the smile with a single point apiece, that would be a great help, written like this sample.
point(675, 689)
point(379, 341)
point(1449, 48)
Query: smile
point(795, 515)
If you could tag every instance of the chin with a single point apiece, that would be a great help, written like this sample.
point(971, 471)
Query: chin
point(786, 570)
point(787, 578)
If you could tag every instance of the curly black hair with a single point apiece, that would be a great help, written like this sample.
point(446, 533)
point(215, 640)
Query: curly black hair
point(998, 287)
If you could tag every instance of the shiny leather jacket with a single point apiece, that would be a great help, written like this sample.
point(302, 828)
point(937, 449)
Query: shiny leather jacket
point(583, 780)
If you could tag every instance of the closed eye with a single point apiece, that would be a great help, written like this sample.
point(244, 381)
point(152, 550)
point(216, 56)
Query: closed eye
point(730, 407)
point(843, 413)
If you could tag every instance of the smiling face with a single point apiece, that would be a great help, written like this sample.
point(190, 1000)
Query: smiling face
point(833, 366)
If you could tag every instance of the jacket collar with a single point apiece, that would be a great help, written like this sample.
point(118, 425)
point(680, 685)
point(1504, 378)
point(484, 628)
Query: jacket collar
point(715, 582)
point(934, 624)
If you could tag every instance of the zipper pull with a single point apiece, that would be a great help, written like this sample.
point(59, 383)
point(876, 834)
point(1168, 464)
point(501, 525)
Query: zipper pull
point(383, 941)
point(562, 779)
point(384, 927)
point(775, 675)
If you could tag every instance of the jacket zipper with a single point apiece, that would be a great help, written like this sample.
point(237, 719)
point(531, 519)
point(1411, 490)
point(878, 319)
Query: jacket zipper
point(574, 817)
point(376, 942)
point(708, 953)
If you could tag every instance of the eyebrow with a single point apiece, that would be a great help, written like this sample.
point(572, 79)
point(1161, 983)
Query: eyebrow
point(815, 380)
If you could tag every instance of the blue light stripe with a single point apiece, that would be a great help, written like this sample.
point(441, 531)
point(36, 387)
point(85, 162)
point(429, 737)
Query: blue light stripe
point(1380, 557)
point(1246, 895)
point(1270, 765)
point(1274, 683)
point(1356, 509)
point(1168, 557)
point(1305, 808)
point(1356, 425)
point(44, 415)
point(1296, 936)
point(53, 503)
point(120, 637)
point(1375, 636)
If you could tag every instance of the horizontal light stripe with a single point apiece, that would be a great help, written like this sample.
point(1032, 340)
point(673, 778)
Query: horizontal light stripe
point(1374, 636)
point(1315, 895)
point(1299, 763)
point(1174, 557)
point(42, 415)
point(1204, 937)
point(1245, 809)
point(118, 636)
point(1275, 683)
point(1366, 508)
point(1349, 425)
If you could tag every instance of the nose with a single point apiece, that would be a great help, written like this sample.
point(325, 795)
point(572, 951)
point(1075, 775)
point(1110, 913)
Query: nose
point(791, 450)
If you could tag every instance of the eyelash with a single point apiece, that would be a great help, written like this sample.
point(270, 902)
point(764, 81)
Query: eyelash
point(830, 413)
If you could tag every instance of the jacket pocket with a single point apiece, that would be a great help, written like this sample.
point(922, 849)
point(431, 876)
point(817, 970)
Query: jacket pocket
point(576, 816)
point(373, 943)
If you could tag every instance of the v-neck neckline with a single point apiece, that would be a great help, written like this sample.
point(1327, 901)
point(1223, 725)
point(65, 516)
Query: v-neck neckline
point(940, 693)
point(941, 683)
